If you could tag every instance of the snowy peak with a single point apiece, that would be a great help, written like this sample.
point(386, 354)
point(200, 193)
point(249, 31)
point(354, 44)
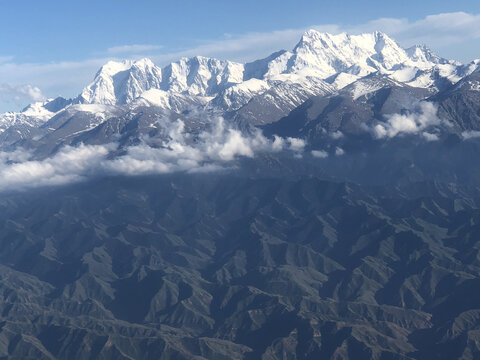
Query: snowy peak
point(339, 59)
point(328, 54)
point(33, 115)
point(387, 52)
point(112, 68)
point(333, 61)
point(121, 82)
point(259, 69)
point(423, 54)
point(142, 76)
point(201, 76)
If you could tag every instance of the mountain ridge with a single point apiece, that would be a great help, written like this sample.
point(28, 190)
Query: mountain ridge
point(246, 95)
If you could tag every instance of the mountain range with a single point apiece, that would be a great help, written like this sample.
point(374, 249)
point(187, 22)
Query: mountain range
point(320, 203)
point(353, 67)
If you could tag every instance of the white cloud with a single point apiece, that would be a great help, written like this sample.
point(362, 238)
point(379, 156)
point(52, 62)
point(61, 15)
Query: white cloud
point(412, 123)
point(339, 151)
point(278, 143)
point(319, 154)
point(296, 144)
point(211, 150)
point(336, 135)
point(133, 49)
point(21, 93)
point(430, 137)
point(472, 134)
point(434, 30)
point(69, 165)
point(437, 31)
point(55, 79)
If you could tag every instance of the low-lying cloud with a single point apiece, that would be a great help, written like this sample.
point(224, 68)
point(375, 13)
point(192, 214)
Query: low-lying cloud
point(415, 122)
point(212, 150)
point(68, 165)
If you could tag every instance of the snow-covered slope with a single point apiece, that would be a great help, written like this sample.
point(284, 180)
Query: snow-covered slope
point(326, 54)
point(33, 115)
point(201, 76)
point(121, 82)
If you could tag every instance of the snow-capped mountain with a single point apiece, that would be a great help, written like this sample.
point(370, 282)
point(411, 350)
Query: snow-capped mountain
point(33, 115)
point(252, 94)
point(338, 59)
point(325, 55)
point(119, 83)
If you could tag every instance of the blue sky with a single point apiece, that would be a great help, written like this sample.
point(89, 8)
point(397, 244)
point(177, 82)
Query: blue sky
point(53, 47)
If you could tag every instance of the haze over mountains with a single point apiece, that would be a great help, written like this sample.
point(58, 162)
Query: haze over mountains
point(321, 203)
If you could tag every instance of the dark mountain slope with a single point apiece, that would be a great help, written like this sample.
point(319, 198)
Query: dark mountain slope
point(231, 267)
point(352, 111)
point(461, 102)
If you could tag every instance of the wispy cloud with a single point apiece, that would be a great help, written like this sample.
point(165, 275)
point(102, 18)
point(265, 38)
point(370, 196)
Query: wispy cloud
point(5, 59)
point(55, 79)
point(245, 47)
point(437, 30)
point(133, 49)
point(20, 93)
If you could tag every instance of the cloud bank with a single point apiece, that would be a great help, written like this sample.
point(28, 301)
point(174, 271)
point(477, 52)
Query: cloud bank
point(212, 150)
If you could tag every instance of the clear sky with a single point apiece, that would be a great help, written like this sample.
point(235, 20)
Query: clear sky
point(54, 47)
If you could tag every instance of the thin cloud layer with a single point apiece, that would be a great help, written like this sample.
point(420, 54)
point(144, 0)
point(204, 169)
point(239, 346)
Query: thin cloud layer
point(133, 49)
point(211, 150)
point(437, 30)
